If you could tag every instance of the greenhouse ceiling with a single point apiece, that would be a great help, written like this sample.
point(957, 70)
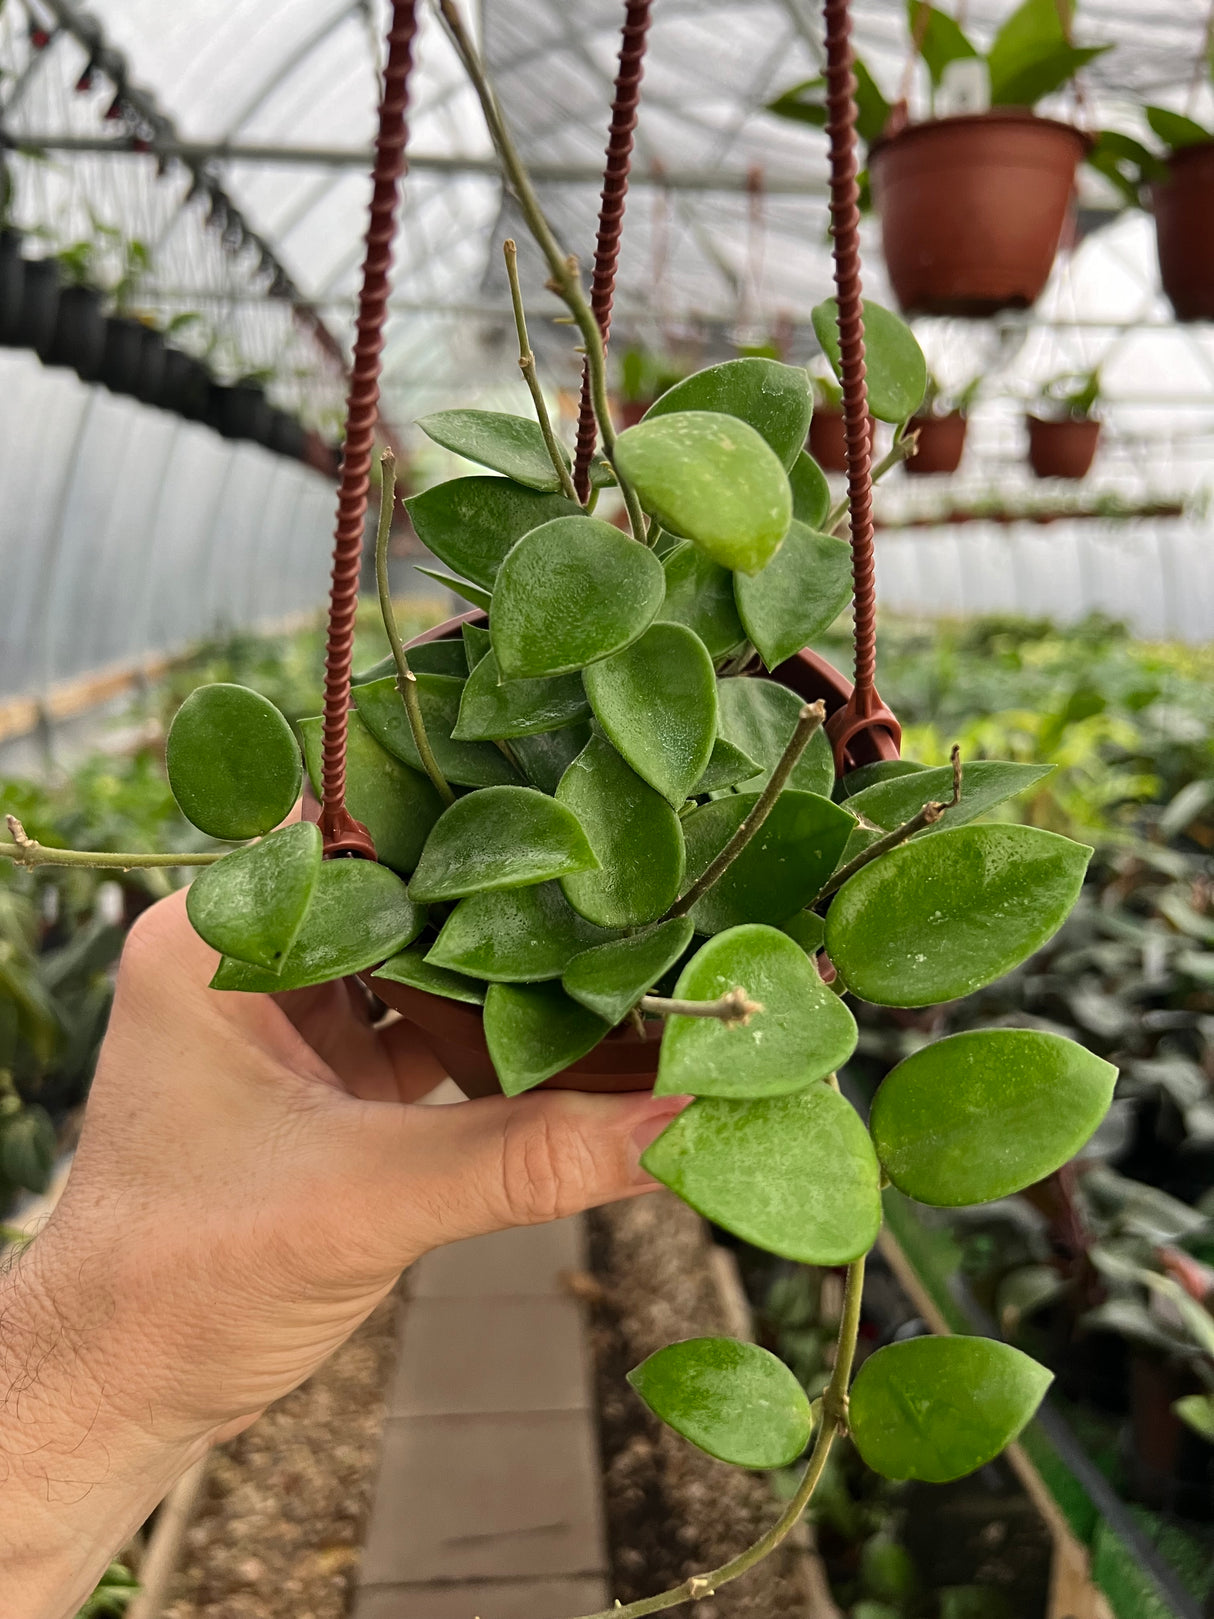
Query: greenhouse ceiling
point(262, 112)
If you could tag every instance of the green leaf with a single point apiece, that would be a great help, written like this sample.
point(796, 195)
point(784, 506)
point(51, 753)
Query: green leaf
point(252, 903)
point(872, 111)
point(796, 1175)
point(896, 369)
point(471, 593)
point(759, 716)
point(501, 837)
point(360, 915)
point(1031, 56)
point(772, 398)
point(570, 592)
point(411, 967)
point(800, 593)
point(712, 479)
point(476, 642)
point(944, 916)
point(726, 767)
point(803, 1033)
point(808, 929)
point(1175, 130)
point(783, 867)
point(985, 783)
point(1049, 72)
point(983, 1114)
point(28, 1148)
point(699, 593)
point(233, 762)
point(398, 806)
point(512, 445)
point(1197, 1412)
point(470, 523)
point(810, 491)
point(803, 103)
point(516, 935)
point(855, 781)
point(494, 708)
point(534, 1031)
point(611, 978)
point(731, 1399)
point(938, 1408)
point(546, 756)
point(467, 764)
point(635, 836)
point(938, 37)
point(657, 702)
point(428, 658)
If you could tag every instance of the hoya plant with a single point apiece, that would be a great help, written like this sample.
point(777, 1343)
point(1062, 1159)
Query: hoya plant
point(599, 810)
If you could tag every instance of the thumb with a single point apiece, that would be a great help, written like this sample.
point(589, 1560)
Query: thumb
point(476, 1167)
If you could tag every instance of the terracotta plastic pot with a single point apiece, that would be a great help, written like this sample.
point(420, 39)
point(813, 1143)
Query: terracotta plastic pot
point(79, 338)
point(631, 410)
point(1183, 206)
point(1064, 449)
point(941, 444)
point(972, 209)
point(624, 1060)
point(827, 440)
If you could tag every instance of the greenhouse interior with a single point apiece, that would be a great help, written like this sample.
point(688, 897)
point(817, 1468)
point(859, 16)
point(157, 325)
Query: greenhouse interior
point(607, 889)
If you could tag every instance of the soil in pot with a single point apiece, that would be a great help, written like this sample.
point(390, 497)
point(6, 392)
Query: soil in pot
point(1064, 449)
point(1183, 206)
point(12, 281)
point(827, 439)
point(79, 340)
point(941, 444)
point(972, 209)
point(40, 292)
point(122, 355)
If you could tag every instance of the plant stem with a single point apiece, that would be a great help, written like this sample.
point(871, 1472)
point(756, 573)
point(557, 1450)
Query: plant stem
point(834, 1423)
point(927, 816)
point(904, 446)
point(809, 720)
point(526, 364)
point(562, 267)
point(25, 851)
point(734, 1009)
point(406, 680)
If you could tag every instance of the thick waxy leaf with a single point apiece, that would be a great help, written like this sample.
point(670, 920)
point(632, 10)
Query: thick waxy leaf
point(430, 658)
point(517, 935)
point(470, 523)
point(467, 764)
point(938, 38)
point(803, 1033)
point(571, 592)
point(896, 369)
point(985, 783)
point(732, 1399)
point(1196, 1411)
point(699, 593)
point(512, 445)
point(1174, 129)
point(535, 1030)
point(986, 1113)
point(252, 903)
point(461, 587)
point(727, 766)
point(941, 917)
point(856, 781)
point(398, 806)
point(796, 1175)
point(808, 929)
point(810, 491)
point(493, 707)
point(800, 593)
point(781, 869)
point(546, 756)
point(712, 479)
point(476, 643)
point(760, 716)
point(233, 762)
point(635, 835)
point(1031, 55)
point(611, 978)
point(938, 1408)
point(657, 702)
point(501, 837)
point(775, 399)
point(411, 967)
point(360, 915)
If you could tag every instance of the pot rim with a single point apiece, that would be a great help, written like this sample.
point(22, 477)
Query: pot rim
point(1023, 117)
point(1034, 420)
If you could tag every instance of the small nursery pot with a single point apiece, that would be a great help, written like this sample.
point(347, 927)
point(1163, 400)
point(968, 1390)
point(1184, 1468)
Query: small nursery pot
point(149, 379)
point(122, 355)
point(12, 283)
point(631, 410)
point(972, 209)
point(186, 387)
point(240, 412)
point(1062, 449)
point(1183, 206)
point(286, 436)
point(827, 441)
point(941, 444)
point(79, 338)
point(40, 293)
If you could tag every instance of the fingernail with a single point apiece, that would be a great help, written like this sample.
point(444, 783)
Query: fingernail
point(651, 1126)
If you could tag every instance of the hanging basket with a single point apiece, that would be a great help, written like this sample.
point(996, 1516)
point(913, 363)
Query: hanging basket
point(1183, 206)
point(1062, 449)
point(941, 444)
point(972, 209)
point(79, 337)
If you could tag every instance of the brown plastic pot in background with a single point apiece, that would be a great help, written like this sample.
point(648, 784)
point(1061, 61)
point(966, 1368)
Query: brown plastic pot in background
point(941, 444)
point(972, 209)
point(624, 1060)
point(1183, 206)
point(827, 441)
point(1062, 449)
point(631, 411)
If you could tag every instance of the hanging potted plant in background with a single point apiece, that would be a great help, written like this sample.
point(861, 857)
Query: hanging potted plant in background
point(826, 441)
point(1063, 427)
point(133, 359)
point(186, 386)
point(240, 410)
point(79, 338)
point(940, 426)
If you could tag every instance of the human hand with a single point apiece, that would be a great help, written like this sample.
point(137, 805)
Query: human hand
point(247, 1187)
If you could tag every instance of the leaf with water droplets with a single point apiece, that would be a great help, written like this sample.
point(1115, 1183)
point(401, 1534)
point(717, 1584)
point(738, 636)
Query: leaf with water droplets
point(252, 903)
point(500, 837)
point(533, 1031)
point(470, 523)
